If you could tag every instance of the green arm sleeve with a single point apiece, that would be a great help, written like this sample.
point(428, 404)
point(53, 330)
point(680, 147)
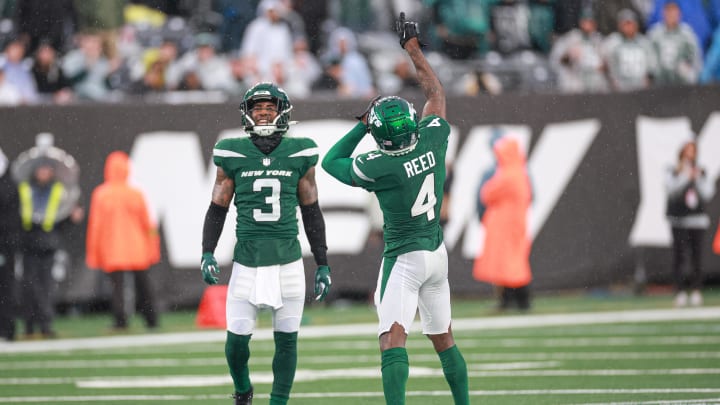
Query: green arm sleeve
point(337, 161)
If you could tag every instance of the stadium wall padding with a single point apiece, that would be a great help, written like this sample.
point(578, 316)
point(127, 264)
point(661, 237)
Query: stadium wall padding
point(583, 241)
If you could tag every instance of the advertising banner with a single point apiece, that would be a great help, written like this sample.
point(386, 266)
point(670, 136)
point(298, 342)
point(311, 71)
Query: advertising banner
point(596, 163)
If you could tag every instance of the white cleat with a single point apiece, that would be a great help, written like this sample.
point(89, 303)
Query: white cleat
point(681, 299)
point(696, 298)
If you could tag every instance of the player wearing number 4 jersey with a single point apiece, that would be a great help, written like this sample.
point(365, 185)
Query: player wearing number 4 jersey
point(269, 175)
point(406, 174)
point(410, 223)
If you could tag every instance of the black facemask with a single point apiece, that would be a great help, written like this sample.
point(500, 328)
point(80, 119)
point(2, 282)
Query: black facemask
point(266, 144)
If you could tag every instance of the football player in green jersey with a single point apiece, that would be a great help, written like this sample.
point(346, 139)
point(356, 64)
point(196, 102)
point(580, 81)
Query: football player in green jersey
point(406, 174)
point(269, 175)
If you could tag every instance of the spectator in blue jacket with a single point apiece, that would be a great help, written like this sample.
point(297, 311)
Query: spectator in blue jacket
point(711, 70)
point(17, 71)
point(699, 14)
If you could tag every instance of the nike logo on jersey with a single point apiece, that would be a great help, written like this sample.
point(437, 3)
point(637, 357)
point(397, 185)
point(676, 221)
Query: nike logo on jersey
point(419, 164)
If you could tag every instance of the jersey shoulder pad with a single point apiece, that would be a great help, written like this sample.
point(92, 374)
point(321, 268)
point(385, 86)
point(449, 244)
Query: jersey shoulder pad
point(303, 147)
point(232, 143)
point(434, 130)
point(433, 121)
point(230, 148)
point(368, 166)
point(299, 143)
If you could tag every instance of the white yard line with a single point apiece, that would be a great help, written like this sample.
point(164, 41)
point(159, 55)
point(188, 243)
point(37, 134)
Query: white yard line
point(355, 373)
point(704, 401)
point(310, 332)
point(484, 358)
point(149, 398)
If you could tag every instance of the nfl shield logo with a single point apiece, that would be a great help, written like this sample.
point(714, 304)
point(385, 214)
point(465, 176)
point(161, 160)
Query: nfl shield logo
point(266, 161)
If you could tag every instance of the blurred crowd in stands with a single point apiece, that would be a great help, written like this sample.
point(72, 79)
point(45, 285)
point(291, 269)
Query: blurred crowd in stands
point(64, 51)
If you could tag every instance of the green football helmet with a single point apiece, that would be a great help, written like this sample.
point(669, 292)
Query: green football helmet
point(393, 123)
point(266, 91)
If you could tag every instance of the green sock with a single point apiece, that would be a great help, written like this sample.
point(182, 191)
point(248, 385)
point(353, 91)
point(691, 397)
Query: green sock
point(284, 364)
point(395, 370)
point(455, 370)
point(237, 353)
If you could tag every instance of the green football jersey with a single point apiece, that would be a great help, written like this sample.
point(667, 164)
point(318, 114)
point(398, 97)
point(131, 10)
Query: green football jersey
point(409, 188)
point(266, 196)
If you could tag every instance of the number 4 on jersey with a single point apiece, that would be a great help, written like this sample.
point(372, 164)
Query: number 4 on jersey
point(425, 200)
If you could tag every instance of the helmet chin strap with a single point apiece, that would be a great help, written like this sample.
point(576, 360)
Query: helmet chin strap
point(260, 130)
point(264, 130)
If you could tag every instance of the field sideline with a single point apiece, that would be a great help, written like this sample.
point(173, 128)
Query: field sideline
point(637, 355)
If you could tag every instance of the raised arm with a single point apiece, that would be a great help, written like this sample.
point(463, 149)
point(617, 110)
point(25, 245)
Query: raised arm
point(429, 82)
point(337, 161)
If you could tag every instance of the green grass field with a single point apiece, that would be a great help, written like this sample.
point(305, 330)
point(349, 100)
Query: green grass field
point(578, 349)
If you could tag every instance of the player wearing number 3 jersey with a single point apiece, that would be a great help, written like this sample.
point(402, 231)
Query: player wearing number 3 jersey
point(268, 176)
point(266, 189)
point(406, 174)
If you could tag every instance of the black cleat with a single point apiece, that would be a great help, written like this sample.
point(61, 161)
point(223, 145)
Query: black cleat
point(245, 398)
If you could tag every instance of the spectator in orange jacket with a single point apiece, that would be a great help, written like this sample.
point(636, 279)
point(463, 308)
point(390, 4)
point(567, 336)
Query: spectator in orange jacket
point(716, 242)
point(121, 239)
point(506, 196)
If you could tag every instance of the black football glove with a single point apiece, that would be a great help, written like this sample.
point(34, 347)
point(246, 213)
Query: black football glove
point(406, 30)
point(363, 117)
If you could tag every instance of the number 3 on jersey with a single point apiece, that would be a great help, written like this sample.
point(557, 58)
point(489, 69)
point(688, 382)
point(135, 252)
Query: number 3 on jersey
point(273, 200)
point(425, 200)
